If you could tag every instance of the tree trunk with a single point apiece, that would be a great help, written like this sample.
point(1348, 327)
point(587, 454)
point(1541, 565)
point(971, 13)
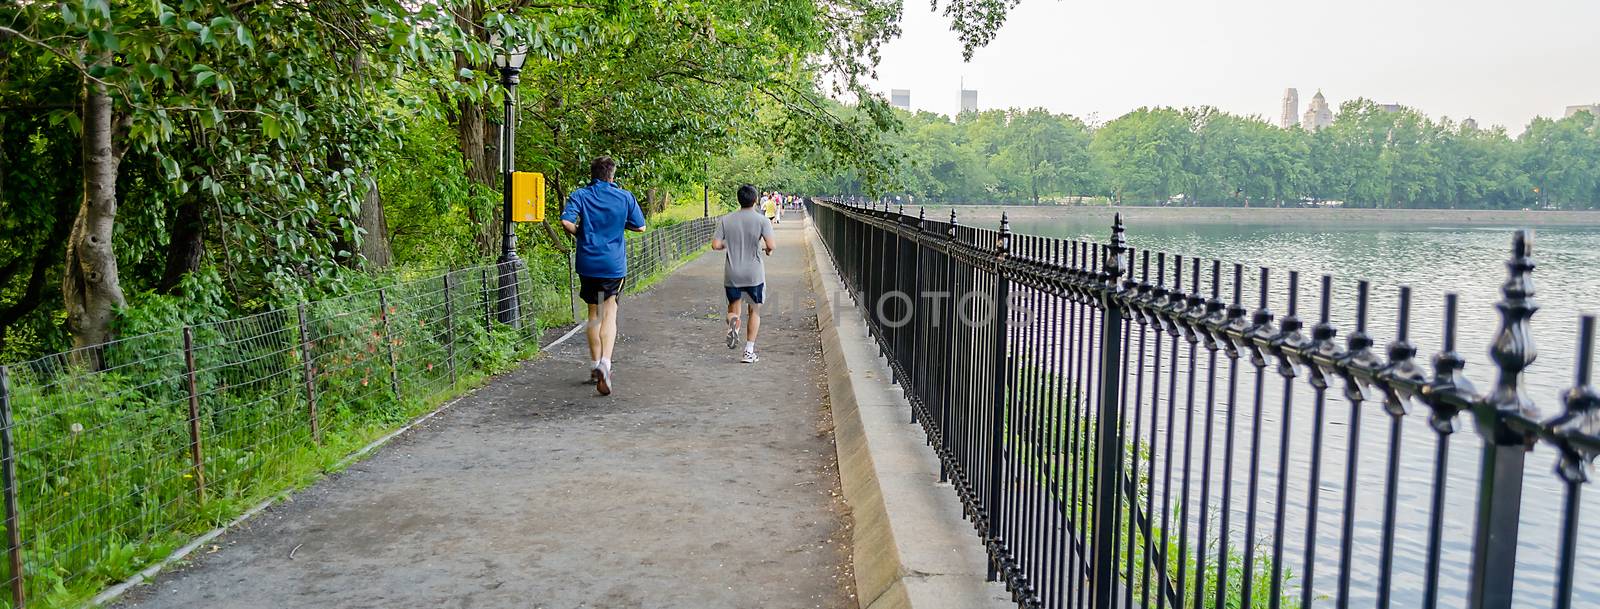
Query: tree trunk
point(472, 129)
point(375, 243)
point(90, 285)
point(188, 244)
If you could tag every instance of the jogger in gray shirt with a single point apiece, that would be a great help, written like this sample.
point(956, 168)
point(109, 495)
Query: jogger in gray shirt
point(744, 235)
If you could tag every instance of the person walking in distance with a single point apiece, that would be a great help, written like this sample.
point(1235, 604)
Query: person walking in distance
point(744, 235)
point(596, 215)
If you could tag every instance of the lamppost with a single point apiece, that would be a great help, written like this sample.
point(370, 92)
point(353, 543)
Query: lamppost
point(508, 59)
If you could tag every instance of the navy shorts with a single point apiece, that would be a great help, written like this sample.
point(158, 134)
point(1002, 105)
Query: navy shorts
point(595, 290)
point(753, 292)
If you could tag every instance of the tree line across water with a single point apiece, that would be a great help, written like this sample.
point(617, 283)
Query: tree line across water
point(1371, 156)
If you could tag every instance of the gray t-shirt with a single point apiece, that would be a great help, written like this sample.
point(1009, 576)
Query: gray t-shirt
point(742, 231)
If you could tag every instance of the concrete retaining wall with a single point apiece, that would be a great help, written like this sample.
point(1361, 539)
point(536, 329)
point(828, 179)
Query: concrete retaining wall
point(912, 547)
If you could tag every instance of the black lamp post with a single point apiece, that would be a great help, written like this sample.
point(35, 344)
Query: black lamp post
point(508, 59)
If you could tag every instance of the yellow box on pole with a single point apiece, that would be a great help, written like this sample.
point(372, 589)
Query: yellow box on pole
point(527, 196)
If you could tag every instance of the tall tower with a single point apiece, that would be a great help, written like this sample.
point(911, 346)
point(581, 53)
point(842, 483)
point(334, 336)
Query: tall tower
point(1291, 109)
point(900, 98)
point(969, 100)
point(1318, 114)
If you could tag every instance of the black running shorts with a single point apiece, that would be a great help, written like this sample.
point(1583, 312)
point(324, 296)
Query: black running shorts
point(595, 290)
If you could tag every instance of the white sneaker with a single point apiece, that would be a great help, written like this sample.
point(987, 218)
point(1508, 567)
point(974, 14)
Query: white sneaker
point(603, 382)
point(749, 358)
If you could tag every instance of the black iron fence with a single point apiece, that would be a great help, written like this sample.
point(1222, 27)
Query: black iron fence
point(1123, 429)
point(115, 455)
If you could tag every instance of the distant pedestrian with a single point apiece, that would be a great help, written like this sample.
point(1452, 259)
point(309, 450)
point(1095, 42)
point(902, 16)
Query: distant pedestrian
point(744, 235)
point(769, 205)
point(596, 216)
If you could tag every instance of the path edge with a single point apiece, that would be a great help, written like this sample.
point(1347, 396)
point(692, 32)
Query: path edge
point(911, 546)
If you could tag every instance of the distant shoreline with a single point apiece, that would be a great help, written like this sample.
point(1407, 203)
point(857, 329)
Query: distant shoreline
point(1267, 216)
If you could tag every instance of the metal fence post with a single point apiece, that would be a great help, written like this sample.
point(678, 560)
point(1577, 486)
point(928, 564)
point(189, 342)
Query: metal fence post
point(196, 453)
point(388, 341)
point(310, 374)
point(450, 327)
point(991, 504)
point(916, 351)
point(1494, 543)
point(1108, 469)
point(8, 468)
point(948, 383)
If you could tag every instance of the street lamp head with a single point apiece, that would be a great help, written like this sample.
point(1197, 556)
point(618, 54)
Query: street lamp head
point(508, 57)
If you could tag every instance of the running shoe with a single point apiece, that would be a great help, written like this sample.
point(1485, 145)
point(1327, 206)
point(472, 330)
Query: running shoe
point(750, 357)
point(733, 333)
point(603, 382)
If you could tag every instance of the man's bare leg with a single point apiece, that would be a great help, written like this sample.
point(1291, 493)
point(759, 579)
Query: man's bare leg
point(591, 331)
point(733, 322)
point(751, 331)
point(608, 328)
point(754, 324)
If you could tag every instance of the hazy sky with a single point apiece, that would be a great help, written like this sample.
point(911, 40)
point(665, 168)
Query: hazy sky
point(1498, 61)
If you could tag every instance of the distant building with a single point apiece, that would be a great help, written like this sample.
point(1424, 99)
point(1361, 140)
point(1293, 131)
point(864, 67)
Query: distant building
point(900, 98)
point(1593, 109)
point(1390, 107)
point(1291, 109)
point(969, 100)
point(1469, 125)
point(1318, 114)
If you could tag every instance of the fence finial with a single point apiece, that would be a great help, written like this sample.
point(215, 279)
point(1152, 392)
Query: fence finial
point(922, 219)
point(1116, 264)
point(952, 230)
point(1513, 349)
point(1448, 379)
point(1003, 244)
point(1581, 417)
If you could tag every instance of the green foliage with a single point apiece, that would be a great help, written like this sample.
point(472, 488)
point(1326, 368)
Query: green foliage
point(1371, 156)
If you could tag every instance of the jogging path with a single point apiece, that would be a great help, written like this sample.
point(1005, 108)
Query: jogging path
point(700, 483)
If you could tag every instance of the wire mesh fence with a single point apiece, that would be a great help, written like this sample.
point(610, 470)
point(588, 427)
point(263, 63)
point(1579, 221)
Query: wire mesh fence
point(117, 454)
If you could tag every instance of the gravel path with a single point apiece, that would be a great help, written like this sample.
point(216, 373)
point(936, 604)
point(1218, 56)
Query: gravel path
point(699, 483)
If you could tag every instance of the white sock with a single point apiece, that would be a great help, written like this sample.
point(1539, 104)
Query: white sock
point(606, 361)
point(594, 364)
point(750, 346)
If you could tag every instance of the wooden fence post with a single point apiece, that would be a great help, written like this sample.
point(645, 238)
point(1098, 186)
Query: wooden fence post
point(8, 468)
point(388, 341)
point(310, 376)
point(196, 453)
point(488, 303)
point(450, 327)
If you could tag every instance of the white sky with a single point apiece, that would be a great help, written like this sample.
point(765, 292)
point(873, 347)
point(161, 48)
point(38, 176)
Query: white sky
point(1498, 61)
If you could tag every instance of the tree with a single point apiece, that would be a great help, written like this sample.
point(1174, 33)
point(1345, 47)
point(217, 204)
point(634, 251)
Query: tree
point(1143, 153)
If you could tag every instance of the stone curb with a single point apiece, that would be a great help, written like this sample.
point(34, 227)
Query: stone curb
point(912, 548)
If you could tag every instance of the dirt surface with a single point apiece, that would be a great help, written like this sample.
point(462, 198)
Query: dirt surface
point(699, 483)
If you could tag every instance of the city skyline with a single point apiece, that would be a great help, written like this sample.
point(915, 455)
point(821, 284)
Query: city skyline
point(1118, 58)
